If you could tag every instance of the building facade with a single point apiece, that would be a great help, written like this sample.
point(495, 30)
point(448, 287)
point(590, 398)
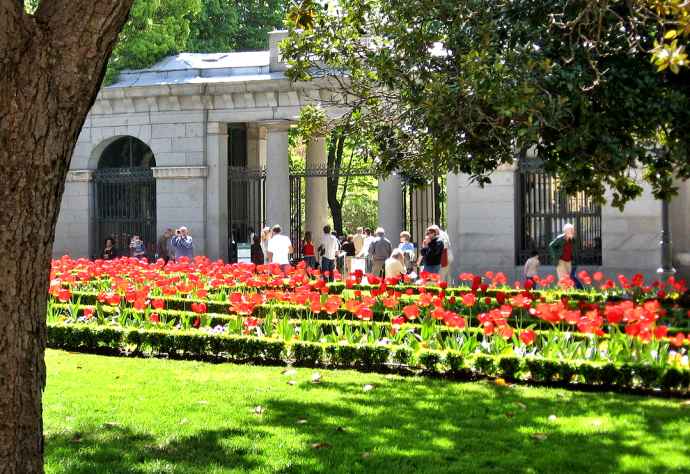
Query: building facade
point(201, 140)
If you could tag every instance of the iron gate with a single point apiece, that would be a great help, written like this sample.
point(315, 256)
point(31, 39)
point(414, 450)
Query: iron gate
point(246, 202)
point(297, 190)
point(125, 204)
point(422, 207)
point(542, 209)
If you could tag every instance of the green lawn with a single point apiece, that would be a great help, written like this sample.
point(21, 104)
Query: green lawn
point(117, 415)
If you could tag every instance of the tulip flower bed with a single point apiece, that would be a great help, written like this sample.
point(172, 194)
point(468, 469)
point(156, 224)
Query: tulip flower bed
point(626, 334)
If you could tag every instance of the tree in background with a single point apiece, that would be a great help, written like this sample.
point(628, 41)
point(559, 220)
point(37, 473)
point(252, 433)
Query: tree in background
point(52, 63)
point(469, 85)
point(156, 28)
point(159, 28)
point(235, 25)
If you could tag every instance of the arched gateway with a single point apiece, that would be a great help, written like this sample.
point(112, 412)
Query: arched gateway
point(125, 195)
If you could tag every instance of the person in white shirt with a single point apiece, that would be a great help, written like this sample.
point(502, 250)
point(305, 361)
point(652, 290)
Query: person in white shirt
point(368, 239)
point(279, 249)
point(395, 266)
point(329, 246)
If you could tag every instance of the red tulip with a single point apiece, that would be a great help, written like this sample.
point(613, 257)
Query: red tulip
point(527, 337)
point(411, 311)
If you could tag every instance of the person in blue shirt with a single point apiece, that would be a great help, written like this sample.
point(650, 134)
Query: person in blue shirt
point(183, 244)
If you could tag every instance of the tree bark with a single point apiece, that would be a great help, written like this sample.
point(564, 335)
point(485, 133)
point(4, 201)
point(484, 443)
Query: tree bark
point(335, 160)
point(51, 67)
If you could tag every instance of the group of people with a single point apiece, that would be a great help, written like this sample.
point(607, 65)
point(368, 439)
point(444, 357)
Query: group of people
point(373, 253)
point(373, 249)
point(171, 245)
point(563, 254)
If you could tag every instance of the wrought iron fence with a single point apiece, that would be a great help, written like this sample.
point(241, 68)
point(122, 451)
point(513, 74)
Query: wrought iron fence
point(125, 205)
point(422, 207)
point(297, 190)
point(246, 203)
point(542, 208)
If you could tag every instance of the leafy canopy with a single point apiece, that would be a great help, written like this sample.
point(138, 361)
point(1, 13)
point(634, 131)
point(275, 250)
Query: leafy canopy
point(469, 85)
point(158, 28)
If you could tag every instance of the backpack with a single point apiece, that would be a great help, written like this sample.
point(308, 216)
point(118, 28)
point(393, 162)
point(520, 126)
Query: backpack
point(380, 249)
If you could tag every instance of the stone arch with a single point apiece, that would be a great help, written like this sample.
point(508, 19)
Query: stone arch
point(125, 194)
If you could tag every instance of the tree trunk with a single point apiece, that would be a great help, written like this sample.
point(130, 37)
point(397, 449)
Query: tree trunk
point(51, 67)
point(335, 160)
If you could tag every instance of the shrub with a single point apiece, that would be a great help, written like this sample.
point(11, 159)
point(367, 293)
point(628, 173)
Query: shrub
point(373, 357)
point(429, 361)
point(307, 354)
point(509, 367)
point(402, 355)
point(485, 365)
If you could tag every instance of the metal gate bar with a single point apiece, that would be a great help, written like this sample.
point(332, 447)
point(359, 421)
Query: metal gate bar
point(125, 205)
point(542, 209)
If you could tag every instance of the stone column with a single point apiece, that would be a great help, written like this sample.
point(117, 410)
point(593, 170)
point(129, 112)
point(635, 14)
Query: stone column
point(180, 201)
point(256, 160)
point(256, 146)
point(277, 175)
point(217, 191)
point(390, 207)
point(316, 194)
point(75, 230)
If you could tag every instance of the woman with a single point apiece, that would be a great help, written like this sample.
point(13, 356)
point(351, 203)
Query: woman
point(395, 264)
point(257, 253)
point(308, 251)
point(265, 237)
point(109, 252)
point(432, 252)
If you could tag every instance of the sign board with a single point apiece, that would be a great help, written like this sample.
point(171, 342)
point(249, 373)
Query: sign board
point(358, 264)
point(244, 253)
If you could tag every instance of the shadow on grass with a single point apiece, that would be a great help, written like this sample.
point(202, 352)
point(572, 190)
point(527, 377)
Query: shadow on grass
point(424, 427)
point(400, 427)
point(115, 449)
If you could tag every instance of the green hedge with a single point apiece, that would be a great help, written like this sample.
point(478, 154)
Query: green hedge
point(199, 345)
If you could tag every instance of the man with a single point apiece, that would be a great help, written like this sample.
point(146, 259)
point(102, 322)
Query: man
point(379, 250)
point(563, 251)
point(329, 246)
point(183, 244)
point(432, 251)
point(279, 249)
point(163, 245)
point(358, 240)
point(137, 249)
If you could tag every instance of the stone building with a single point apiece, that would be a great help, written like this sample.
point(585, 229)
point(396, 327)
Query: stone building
point(201, 140)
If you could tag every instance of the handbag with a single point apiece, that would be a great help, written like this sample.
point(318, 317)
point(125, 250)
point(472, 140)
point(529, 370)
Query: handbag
point(444, 258)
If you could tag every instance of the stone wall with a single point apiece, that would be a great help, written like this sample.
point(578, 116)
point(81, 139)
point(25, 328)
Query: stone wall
point(481, 223)
point(73, 234)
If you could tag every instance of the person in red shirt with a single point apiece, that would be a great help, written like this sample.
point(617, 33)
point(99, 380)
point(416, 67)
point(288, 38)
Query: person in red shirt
point(563, 251)
point(308, 251)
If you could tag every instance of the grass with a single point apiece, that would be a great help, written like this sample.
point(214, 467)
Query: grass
point(120, 415)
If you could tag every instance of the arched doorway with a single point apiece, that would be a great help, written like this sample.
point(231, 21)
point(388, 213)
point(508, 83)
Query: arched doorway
point(125, 195)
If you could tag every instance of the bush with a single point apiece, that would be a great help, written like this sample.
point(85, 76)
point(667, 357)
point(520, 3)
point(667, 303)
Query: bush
point(307, 354)
point(403, 356)
point(372, 357)
point(509, 367)
point(196, 344)
point(430, 361)
point(485, 365)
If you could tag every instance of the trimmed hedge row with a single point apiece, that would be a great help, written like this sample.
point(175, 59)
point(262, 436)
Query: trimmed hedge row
point(199, 345)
